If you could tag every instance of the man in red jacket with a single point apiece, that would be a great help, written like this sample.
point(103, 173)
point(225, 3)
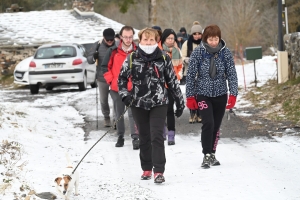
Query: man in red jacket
point(111, 75)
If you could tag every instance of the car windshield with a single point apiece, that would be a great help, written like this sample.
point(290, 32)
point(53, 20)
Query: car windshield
point(55, 52)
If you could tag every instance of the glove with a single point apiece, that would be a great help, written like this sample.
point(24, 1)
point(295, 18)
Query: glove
point(178, 112)
point(191, 103)
point(127, 100)
point(95, 55)
point(231, 102)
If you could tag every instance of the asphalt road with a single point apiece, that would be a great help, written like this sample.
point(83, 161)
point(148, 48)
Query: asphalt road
point(239, 126)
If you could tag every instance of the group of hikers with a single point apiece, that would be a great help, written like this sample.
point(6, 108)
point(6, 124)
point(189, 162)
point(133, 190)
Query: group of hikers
point(145, 78)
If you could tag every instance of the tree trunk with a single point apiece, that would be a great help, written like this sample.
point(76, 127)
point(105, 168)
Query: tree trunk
point(152, 13)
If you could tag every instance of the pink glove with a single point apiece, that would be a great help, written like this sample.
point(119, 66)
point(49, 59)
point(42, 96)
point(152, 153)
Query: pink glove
point(231, 102)
point(191, 103)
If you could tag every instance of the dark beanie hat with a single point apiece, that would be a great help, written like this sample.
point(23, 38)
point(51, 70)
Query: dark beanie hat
point(109, 34)
point(156, 28)
point(179, 35)
point(166, 34)
point(182, 29)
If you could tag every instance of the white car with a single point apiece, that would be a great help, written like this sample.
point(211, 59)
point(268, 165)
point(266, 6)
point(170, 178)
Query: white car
point(61, 64)
point(21, 71)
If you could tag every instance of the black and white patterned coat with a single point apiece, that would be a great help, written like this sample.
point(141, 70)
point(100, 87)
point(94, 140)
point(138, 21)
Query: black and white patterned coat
point(199, 82)
point(149, 80)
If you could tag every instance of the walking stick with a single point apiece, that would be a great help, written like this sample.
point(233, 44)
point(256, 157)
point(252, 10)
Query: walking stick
point(97, 104)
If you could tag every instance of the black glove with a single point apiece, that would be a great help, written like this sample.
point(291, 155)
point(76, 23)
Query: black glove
point(127, 100)
point(178, 112)
point(95, 55)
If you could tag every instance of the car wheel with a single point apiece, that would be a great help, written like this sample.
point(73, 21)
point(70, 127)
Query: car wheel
point(49, 88)
point(94, 84)
point(82, 85)
point(34, 89)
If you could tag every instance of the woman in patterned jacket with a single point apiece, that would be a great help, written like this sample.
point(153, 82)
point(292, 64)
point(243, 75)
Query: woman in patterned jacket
point(150, 70)
point(210, 67)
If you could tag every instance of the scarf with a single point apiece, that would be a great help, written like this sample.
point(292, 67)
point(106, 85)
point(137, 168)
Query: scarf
point(213, 53)
point(148, 57)
point(175, 55)
point(127, 50)
point(190, 45)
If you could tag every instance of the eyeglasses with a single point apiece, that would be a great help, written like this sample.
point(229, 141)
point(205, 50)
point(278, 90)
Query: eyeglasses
point(127, 38)
point(197, 33)
point(169, 38)
point(109, 40)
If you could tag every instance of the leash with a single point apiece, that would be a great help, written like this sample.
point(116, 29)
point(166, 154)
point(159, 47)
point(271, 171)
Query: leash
point(103, 135)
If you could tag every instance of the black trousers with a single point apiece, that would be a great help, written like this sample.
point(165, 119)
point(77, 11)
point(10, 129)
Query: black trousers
point(150, 124)
point(170, 113)
point(212, 110)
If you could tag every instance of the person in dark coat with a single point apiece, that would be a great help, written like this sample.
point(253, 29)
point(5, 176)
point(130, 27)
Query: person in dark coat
point(96, 54)
point(150, 70)
point(185, 35)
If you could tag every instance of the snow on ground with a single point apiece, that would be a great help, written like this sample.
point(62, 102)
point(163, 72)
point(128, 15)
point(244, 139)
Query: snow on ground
point(48, 127)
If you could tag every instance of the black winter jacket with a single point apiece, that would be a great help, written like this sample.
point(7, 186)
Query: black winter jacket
point(149, 80)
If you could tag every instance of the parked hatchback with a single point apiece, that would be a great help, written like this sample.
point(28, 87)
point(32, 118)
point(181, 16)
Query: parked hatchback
point(21, 71)
point(61, 64)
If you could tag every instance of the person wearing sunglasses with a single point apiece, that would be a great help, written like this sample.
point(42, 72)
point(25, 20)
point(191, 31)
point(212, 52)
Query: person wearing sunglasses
point(111, 73)
point(150, 69)
point(187, 48)
point(96, 54)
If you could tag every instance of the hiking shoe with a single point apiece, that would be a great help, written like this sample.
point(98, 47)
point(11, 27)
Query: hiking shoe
point(159, 178)
point(199, 120)
point(120, 142)
point(171, 137)
point(107, 122)
point(135, 144)
point(206, 161)
point(191, 120)
point(146, 175)
point(213, 160)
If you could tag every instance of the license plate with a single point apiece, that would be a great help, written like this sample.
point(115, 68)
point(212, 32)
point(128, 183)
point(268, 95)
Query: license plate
point(18, 75)
point(50, 66)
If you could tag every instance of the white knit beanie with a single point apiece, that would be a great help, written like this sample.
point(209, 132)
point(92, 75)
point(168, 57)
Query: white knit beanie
point(196, 28)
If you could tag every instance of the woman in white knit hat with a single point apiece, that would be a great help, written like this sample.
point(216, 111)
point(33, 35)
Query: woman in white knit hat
point(186, 50)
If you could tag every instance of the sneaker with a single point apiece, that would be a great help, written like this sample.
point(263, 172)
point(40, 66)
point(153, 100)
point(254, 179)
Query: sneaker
point(213, 160)
point(146, 175)
point(206, 161)
point(159, 178)
point(199, 120)
point(135, 144)
point(120, 142)
point(107, 122)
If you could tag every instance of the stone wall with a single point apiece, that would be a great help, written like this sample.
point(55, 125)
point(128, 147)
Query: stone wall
point(292, 46)
point(11, 56)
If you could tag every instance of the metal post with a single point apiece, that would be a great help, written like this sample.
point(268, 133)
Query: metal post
point(280, 37)
point(255, 81)
point(286, 20)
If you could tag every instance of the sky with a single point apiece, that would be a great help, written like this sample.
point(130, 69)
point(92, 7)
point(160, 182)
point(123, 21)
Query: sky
point(51, 125)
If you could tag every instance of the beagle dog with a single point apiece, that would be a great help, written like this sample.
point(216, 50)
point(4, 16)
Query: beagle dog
point(65, 181)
